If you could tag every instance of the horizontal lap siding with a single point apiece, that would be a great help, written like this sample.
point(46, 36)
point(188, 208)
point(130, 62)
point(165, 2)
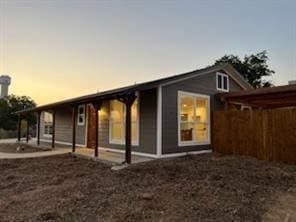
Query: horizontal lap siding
point(147, 124)
point(205, 84)
point(63, 128)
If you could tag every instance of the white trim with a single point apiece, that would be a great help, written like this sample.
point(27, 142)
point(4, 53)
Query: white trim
point(86, 124)
point(222, 81)
point(63, 143)
point(196, 95)
point(78, 115)
point(159, 122)
point(47, 135)
point(185, 153)
point(133, 152)
point(122, 142)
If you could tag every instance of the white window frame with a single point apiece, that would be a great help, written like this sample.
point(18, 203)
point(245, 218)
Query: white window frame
point(122, 142)
point(83, 115)
point(196, 95)
point(45, 124)
point(222, 81)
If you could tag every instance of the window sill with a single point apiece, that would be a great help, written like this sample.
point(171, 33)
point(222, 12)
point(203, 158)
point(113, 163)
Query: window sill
point(223, 90)
point(47, 135)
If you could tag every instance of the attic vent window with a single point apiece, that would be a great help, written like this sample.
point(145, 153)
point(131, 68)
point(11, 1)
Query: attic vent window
point(222, 82)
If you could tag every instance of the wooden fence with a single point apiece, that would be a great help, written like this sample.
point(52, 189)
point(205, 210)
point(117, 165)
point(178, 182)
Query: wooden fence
point(266, 135)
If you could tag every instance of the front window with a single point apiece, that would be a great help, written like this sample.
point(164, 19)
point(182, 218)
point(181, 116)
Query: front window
point(48, 124)
point(81, 115)
point(194, 119)
point(117, 122)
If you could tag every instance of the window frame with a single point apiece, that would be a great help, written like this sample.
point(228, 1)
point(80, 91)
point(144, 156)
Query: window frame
point(208, 123)
point(122, 142)
point(48, 135)
point(223, 75)
point(78, 115)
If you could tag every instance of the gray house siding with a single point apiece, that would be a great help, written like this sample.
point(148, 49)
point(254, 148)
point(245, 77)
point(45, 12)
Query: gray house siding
point(147, 124)
point(204, 84)
point(63, 128)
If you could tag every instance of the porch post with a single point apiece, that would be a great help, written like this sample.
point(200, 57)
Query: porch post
point(97, 106)
point(19, 121)
point(38, 127)
point(27, 129)
point(128, 100)
point(53, 129)
point(74, 114)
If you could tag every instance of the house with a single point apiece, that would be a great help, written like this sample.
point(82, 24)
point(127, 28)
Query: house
point(161, 118)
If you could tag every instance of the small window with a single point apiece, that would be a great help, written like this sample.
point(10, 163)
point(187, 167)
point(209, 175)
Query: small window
point(222, 82)
point(81, 115)
point(47, 124)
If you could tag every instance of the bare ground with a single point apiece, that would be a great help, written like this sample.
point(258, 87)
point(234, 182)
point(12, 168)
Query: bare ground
point(20, 148)
point(192, 188)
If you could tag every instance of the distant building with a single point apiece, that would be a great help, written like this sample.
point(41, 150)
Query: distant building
point(4, 85)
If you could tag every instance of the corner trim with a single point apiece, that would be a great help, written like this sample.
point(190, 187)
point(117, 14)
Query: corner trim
point(159, 122)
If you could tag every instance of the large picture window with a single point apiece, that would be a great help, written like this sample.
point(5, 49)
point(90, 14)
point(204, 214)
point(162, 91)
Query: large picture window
point(47, 124)
point(193, 119)
point(117, 122)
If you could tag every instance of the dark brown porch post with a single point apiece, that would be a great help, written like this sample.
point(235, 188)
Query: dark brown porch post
point(74, 115)
point(53, 129)
point(19, 128)
point(97, 106)
point(38, 127)
point(128, 100)
point(128, 149)
point(27, 130)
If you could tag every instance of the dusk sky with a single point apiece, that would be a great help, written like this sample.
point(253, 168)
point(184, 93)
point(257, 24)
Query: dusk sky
point(61, 49)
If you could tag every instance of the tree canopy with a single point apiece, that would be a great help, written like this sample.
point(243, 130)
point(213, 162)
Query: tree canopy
point(253, 67)
point(11, 104)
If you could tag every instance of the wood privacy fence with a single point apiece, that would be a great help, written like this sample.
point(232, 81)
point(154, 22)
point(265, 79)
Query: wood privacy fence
point(266, 135)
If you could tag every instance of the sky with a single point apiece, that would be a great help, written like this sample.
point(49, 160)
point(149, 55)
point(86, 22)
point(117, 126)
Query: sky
point(55, 50)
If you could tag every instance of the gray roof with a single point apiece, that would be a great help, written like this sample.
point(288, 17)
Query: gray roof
point(119, 92)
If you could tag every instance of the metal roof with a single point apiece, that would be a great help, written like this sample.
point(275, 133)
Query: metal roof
point(118, 92)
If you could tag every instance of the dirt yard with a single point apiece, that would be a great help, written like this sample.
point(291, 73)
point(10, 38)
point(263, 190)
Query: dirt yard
point(19, 148)
point(192, 188)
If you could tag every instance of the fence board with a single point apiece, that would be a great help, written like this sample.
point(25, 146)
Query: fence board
point(264, 134)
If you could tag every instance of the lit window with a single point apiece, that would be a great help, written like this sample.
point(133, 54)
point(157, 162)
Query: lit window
point(47, 124)
point(81, 115)
point(222, 82)
point(117, 122)
point(194, 119)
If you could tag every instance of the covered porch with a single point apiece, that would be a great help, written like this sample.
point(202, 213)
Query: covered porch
point(125, 96)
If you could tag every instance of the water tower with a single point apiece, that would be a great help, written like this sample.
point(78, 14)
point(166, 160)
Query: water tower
point(4, 84)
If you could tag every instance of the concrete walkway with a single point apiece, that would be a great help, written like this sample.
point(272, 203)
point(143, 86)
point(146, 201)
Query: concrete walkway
point(57, 151)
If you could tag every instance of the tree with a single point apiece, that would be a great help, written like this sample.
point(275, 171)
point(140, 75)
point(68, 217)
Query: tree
point(253, 68)
point(11, 104)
